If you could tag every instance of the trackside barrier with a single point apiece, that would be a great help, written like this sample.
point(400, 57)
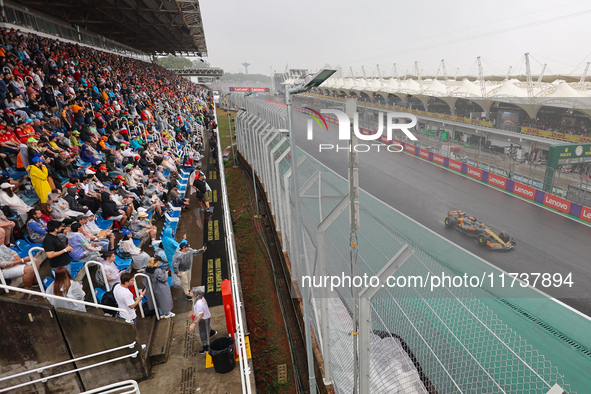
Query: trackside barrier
point(446, 340)
point(239, 313)
point(552, 201)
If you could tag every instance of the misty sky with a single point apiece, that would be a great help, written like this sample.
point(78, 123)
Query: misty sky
point(310, 34)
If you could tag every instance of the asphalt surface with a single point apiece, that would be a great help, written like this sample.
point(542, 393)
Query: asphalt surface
point(547, 242)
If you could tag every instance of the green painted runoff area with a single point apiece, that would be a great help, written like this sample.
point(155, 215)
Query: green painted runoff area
point(557, 319)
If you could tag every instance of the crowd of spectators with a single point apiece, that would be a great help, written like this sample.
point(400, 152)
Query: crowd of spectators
point(88, 135)
point(581, 127)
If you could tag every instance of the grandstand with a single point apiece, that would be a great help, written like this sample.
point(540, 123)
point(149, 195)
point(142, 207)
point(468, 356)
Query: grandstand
point(97, 149)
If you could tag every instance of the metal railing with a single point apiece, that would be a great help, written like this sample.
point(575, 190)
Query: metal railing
point(151, 294)
point(117, 388)
point(35, 269)
point(46, 367)
point(45, 295)
point(89, 278)
point(239, 311)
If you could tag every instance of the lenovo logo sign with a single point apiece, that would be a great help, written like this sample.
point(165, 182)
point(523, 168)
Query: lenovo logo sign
point(474, 172)
point(497, 180)
point(456, 165)
point(586, 214)
point(424, 153)
point(557, 203)
point(438, 159)
point(410, 148)
point(525, 191)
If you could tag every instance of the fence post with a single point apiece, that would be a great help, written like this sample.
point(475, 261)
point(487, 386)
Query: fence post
point(321, 264)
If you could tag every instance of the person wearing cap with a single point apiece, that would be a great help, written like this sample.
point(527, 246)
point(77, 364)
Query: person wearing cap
point(86, 156)
point(139, 258)
point(74, 138)
point(201, 317)
point(103, 174)
point(39, 174)
point(33, 147)
point(200, 187)
point(141, 228)
point(9, 199)
point(64, 165)
point(53, 142)
point(182, 264)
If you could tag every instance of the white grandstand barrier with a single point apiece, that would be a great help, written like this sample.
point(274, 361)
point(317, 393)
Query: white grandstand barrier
point(32, 253)
point(239, 312)
point(46, 295)
point(445, 340)
point(151, 294)
point(101, 268)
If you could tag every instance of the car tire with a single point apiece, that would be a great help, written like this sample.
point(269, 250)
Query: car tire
point(482, 239)
point(449, 222)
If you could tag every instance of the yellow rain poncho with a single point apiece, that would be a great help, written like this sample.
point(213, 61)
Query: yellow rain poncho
point(39, 181)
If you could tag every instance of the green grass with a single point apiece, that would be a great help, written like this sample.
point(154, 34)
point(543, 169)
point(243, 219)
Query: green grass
point(224, 129)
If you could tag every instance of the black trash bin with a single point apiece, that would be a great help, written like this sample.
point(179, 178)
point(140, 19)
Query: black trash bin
point(222, 354)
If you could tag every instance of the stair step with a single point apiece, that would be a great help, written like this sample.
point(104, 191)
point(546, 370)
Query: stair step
point(161, 340)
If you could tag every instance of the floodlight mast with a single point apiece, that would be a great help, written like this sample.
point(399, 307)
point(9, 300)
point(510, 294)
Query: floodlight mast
point(315, 81)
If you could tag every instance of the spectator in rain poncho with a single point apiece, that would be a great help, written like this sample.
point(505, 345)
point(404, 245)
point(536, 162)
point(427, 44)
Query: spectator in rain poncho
point(159, 279)
point(169, 244)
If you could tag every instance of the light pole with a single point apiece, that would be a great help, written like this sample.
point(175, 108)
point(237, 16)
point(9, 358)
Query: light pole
point(308, 83)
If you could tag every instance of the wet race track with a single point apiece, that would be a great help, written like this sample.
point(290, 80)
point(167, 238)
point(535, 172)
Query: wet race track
point(547, 242)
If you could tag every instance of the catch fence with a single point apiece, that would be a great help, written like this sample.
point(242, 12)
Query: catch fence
point(420, 339)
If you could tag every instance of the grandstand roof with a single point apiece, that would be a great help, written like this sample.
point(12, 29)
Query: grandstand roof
point(151, 26)
point(558, 93)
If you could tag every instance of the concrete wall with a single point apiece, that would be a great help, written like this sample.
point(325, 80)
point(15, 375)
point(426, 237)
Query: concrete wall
point(32, 338)
point(87, 333)
point(34, 334)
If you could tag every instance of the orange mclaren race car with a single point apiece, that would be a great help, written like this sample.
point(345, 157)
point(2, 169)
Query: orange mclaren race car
point(473, 228)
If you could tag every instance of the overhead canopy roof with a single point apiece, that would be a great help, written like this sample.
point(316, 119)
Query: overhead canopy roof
point(151, 26)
